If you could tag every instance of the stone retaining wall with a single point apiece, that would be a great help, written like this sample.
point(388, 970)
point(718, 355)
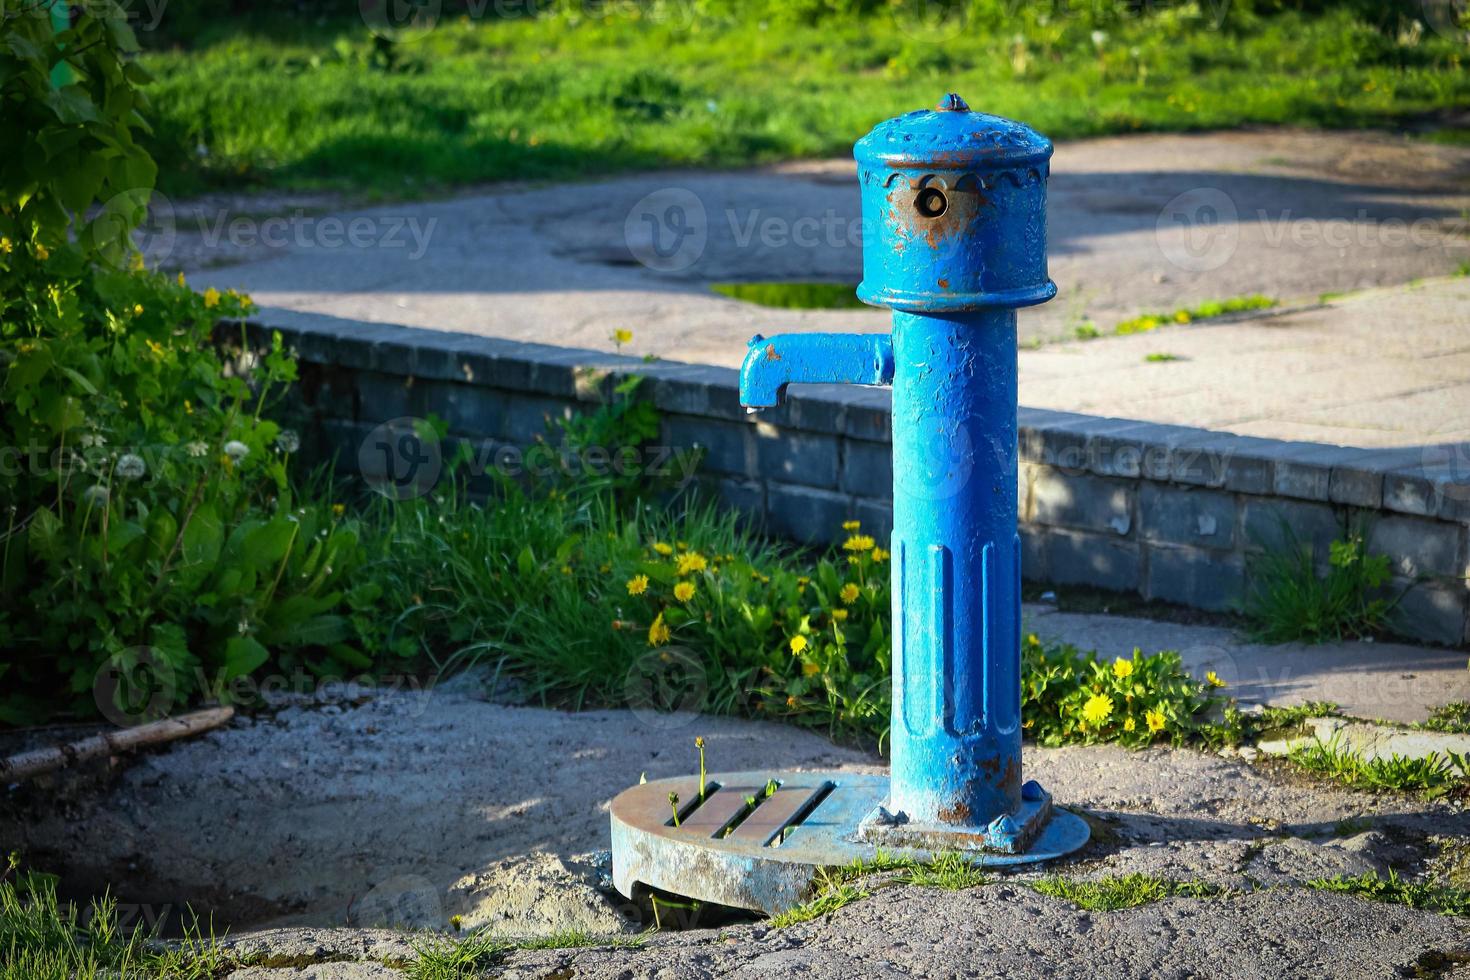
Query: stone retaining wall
point(1167, 512)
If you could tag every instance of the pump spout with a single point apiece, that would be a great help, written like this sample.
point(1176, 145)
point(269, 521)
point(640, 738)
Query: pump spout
point(772, 363)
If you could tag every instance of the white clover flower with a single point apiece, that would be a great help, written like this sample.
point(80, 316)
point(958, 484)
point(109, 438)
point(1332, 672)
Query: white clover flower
point(236, 450)
point(91, 440)
point(288, 441)
point(131, 467)
point(96, 495)
point(196, 449)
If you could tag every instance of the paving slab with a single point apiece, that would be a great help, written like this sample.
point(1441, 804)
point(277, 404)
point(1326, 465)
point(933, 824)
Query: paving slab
point(1396, 682)
point(1388, 368)
point(1138, 224)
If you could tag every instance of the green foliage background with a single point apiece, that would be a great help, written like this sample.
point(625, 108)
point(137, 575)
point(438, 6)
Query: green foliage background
point(300, 96)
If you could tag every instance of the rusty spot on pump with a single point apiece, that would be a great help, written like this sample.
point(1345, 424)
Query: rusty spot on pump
point(958, 813)
point(944, 284)
point(771, 354)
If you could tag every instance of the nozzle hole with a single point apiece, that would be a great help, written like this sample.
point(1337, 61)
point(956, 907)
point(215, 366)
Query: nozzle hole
point(931, 202)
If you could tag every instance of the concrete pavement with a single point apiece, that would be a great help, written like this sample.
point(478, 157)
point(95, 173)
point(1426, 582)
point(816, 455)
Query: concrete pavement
point(1138, 224)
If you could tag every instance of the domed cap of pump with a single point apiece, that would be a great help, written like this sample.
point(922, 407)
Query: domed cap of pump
point(952, 136)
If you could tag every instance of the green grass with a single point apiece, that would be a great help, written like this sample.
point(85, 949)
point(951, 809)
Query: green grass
point(1208, 310)
point(837, 887)
point(301, 102)
point(793, 295)
point(1453, 717)
point(468, 957)
point(43, 939)
point(1444, 899)
point(1430, 776)
point(1124, 892)
point(1161, 358)
point(1291, 599)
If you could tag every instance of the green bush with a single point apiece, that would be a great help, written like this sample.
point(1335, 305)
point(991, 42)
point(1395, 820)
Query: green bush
point(150, 526)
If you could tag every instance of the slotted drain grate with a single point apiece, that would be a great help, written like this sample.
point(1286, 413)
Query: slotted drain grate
point(745, 847)
point(763, 813)
point(754, 841)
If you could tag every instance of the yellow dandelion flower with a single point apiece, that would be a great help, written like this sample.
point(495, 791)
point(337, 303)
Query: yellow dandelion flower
point(5, 245)
point(840, 615)
point(692, 562)
point(1214, 679)
point(682, 545)
point(1098, 709)
point(798, 644)
point(181, 279)
point(658, 632)
point(662, 548)
point(137, 309)
point(807, 670)
point(849, 594)
point(637, 585)
point(338, 509)
point(858, 542)
point(791, 701)
point(1129, 724)
point(802, 579)
point(211, 297)
point(136, 262)
point(851, 525)
point(684, 591)
point(622, 336)
point(1122, 668)
point(42, 252)
point(879, 554)
point(1155, 719)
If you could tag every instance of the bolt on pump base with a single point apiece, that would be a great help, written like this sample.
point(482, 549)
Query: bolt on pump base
point(954, 214)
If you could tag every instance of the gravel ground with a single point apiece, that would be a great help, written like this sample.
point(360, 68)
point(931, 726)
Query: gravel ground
point(305, 827)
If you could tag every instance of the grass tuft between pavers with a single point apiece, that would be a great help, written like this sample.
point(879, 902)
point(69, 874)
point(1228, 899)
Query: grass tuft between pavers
point(1122, 892)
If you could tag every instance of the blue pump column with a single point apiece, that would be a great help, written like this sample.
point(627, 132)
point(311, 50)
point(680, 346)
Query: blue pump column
point(956, 734)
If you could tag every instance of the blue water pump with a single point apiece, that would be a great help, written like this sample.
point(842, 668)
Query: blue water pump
point(954, 219)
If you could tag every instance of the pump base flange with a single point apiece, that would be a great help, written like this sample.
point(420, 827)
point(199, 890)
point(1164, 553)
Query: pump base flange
point(1010, 833)
point(765, 856)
